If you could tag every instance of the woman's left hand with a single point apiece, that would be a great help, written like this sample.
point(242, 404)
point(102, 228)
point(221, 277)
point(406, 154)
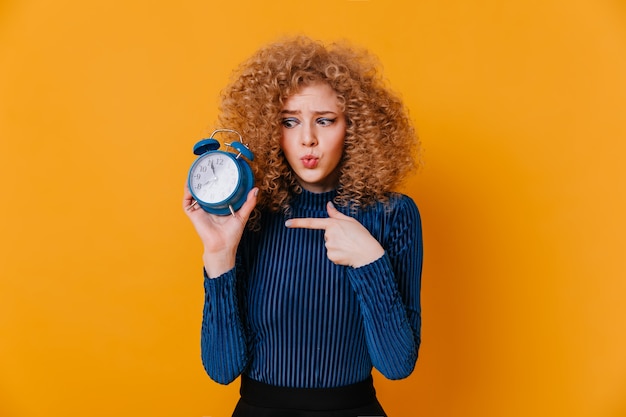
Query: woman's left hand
point(348, 242)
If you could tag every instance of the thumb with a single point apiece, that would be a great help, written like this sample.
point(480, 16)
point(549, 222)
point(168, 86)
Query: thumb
point(249, 205)
point(333, 212)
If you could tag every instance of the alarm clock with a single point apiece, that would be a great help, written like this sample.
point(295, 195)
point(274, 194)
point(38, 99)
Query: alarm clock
point(219, 181)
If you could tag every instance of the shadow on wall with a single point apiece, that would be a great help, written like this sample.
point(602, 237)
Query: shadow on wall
point(482, 228)
point(454, 301)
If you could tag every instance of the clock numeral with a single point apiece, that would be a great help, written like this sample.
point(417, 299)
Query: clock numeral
point(203, 168)
point(198, 186)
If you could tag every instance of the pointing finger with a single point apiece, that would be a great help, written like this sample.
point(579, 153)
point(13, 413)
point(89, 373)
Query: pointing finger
point(307, 223)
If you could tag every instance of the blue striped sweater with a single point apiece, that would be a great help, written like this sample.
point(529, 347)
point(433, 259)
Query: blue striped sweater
point(287, 316)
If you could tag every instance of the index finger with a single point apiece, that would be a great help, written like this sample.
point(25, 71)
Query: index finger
point(308, 223)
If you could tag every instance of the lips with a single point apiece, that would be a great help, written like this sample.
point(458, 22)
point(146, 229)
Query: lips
point(309, 161)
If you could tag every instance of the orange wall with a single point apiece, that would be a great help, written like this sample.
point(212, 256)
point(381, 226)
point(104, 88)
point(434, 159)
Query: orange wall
point(521, 107)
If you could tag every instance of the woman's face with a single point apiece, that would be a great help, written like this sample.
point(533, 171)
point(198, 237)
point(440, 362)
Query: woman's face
point(313, 132)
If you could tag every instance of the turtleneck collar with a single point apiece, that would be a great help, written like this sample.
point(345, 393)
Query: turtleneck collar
point(312, 201)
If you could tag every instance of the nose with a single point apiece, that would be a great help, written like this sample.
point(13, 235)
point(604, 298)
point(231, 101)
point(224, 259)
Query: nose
point(308, 136)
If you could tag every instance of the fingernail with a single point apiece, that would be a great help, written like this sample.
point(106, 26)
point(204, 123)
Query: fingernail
point(330, 204)
point(256, 192)
point(288, 223)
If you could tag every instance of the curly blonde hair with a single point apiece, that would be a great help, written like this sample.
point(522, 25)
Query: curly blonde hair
point(380, 145)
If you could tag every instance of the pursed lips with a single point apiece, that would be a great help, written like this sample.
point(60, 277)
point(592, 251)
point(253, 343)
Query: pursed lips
point(310, 161)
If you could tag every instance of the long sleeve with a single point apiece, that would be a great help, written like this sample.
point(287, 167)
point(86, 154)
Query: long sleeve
point(388, 291)
point(223, 343)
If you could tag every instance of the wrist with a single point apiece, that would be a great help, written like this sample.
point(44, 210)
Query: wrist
point(369, 257)
point(216, 264)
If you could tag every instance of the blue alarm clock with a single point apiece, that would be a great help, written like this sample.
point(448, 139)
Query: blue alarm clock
point(219, 181)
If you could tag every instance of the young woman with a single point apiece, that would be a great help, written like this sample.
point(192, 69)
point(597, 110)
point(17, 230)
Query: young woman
point(316, 279)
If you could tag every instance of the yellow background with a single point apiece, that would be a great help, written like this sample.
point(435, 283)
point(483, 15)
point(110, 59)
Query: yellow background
point(521, 109)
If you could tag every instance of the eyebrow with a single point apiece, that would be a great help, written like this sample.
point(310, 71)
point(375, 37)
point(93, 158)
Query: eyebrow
point(317, 112)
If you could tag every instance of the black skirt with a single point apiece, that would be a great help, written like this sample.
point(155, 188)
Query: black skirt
point(263, 400)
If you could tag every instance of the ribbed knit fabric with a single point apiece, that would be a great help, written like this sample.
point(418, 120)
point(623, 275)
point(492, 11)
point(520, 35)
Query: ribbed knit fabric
point(287, 316)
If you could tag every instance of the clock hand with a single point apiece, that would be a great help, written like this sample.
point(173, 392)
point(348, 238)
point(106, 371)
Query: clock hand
point(212, 180)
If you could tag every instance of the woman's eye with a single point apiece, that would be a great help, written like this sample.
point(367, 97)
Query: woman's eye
point(290, 122)
point(325, 121)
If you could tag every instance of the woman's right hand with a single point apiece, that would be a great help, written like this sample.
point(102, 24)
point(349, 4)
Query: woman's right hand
point(220, 235)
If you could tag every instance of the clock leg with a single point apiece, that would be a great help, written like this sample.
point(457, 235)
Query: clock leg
point(192, 205)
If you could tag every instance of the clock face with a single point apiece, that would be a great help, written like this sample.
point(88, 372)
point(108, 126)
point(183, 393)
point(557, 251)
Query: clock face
point(214, 177)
